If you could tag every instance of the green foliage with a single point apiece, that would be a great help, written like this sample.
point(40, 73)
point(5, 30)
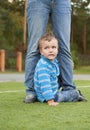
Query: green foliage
point(78, 58)
point(11, 63)
point(88, 35)
point(75, 55)
point(80, 18)
point(11, 25)
point(12, 20)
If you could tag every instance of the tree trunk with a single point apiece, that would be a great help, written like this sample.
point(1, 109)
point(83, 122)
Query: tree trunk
point(72, 35)
point(84, 39)
point(24, 31)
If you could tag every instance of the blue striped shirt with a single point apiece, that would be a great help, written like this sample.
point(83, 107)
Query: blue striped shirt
point(46, 79)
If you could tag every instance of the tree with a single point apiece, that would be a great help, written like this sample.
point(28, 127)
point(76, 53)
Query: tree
point(25, 26)
point(80, 15)
point(11, 25)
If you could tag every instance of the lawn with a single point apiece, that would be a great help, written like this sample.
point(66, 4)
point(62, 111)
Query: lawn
point(82, 70)
point(16, 115)
point(78, 70)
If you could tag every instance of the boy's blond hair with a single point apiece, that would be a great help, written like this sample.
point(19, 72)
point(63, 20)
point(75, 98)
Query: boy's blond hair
point(47, 37)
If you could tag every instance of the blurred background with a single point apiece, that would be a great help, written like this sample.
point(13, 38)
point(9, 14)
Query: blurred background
point(13, 32)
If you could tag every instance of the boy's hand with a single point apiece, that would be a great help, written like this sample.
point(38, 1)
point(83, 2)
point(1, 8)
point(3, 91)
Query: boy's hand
point(52, 103)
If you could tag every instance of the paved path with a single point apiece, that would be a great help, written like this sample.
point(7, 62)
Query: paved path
point(11, 77)
point(20, 77)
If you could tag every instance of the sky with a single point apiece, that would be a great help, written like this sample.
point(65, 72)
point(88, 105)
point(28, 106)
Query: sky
point(10, 0)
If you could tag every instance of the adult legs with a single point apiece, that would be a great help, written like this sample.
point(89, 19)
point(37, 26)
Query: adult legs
point(37, 18)
point(61, 23)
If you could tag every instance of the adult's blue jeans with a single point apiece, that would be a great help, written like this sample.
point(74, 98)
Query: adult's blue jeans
point(38, 13)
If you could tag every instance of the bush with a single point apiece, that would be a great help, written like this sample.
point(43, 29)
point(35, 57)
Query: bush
point(10, 61)
point(78, 58)
point(75, 55)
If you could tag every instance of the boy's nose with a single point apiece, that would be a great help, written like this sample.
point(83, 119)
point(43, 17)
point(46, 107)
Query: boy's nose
point(51, 50)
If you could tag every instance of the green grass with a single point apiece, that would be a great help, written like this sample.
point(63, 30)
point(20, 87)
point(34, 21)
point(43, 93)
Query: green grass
point(15, 115)
point(79, 70)
point(82, 70)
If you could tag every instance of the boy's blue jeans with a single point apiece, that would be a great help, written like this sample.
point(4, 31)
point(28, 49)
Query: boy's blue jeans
point(67, 95)
point(38, 13)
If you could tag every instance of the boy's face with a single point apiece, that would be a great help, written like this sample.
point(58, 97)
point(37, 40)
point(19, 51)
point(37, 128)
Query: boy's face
point(49, 49)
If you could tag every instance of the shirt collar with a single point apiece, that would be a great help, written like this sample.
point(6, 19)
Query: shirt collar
point(55, 60)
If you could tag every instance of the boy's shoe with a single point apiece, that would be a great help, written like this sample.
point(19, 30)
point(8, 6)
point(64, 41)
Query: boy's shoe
point(81, 97)
point(30, 98)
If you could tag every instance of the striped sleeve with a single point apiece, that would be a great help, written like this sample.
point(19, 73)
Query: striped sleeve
point(45, 83)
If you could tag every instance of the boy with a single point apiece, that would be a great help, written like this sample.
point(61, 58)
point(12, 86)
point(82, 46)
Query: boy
point(47, 72)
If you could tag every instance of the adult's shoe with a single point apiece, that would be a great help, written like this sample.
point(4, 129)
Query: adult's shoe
point(30, 98)
point(81, 97)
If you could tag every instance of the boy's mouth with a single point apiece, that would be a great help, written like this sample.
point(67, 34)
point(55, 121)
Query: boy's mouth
point(51, 55)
